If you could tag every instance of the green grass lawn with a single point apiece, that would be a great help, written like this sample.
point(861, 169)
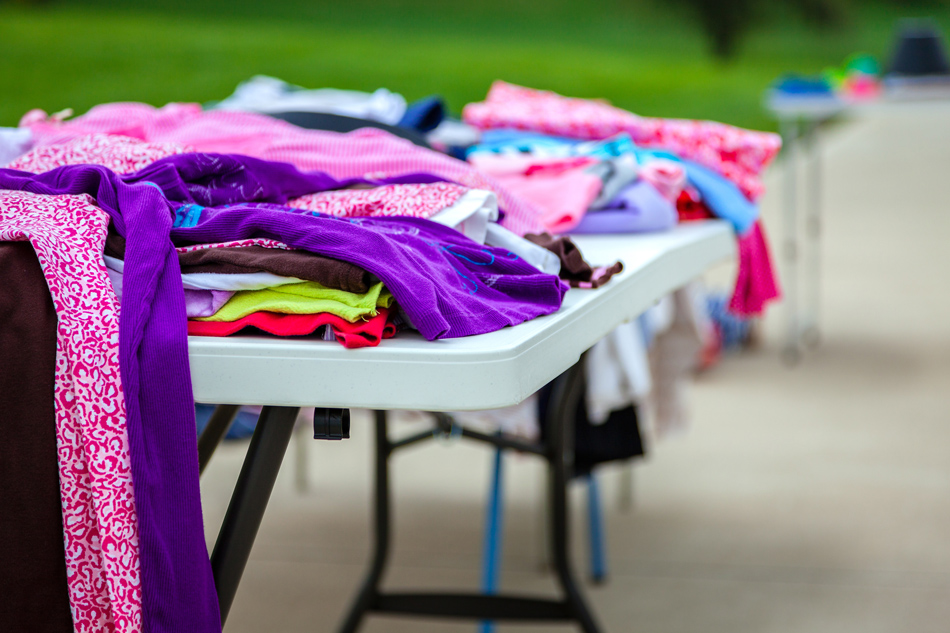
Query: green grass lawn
point(638, 55)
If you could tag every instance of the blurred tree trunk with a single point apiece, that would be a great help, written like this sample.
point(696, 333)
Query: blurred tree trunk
point(726, 22)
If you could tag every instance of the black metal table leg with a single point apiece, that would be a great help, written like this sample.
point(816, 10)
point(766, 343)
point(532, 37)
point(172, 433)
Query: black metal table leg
point(368, 595)
point(249, 500)
point(564, 398)
point(558, 452)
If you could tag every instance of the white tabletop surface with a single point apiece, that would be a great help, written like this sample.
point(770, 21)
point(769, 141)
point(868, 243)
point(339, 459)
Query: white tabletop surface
point(470, 373)
point(815, 107)
point(821, 107)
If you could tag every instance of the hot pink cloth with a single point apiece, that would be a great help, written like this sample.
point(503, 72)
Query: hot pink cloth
point(755, 283)
point(365, 153)
point(739, 155)
point(351, 335)
point(100, 527)
point(561, 187)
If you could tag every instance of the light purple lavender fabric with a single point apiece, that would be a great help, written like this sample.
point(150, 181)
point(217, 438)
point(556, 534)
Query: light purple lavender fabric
point(198, 303)
point(204, 303)
point(638, 208)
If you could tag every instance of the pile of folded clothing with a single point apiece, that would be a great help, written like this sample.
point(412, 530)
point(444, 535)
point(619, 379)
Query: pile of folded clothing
point(590, 167)
point(858, 79)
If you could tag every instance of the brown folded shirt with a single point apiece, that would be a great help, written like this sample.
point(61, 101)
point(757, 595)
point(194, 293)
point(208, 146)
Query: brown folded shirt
point(33, 591)
point(326, 271)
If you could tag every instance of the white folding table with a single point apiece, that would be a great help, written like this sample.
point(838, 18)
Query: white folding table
point(407, 372)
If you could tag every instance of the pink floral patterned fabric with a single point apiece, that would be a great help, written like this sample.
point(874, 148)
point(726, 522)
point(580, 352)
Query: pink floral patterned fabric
point(365, 153)
point(121, 154)
point(739, 155)
point(99, 520)
point(417, 201)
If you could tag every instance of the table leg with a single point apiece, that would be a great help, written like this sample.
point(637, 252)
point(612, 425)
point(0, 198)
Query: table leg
point(542, 512)
point(301, 441)
point(249, 500)
point(369, 591)
point(567, 391)
point(494, 532)
point(790, 130)
point(596, 532)
point(625, 490)
point(812, 254)
point(558, 453)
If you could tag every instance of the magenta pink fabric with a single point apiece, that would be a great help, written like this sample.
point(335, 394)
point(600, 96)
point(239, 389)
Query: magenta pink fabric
point(365, 153)
point(739, 155)
point(417, 201)
point(100, 527)
point(121, 154)
point(756, 284)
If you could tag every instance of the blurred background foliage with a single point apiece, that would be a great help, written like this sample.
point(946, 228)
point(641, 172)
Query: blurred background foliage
point(678, 58)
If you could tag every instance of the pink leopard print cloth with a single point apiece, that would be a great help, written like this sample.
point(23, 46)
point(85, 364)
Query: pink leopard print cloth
point(739, 155)
point(121, 154)
point(99, 520)
point(417, 201)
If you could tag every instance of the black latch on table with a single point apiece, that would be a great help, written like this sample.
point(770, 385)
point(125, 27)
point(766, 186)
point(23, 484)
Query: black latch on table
point(331, 424)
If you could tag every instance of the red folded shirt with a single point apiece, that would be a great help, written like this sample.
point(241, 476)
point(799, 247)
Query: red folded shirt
point(351, 335)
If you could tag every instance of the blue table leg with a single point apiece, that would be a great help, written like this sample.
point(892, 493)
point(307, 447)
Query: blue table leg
point(598, 546)
point(491, 561)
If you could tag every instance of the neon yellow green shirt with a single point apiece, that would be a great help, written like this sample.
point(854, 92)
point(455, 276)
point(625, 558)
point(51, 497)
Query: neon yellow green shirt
point(308, 297)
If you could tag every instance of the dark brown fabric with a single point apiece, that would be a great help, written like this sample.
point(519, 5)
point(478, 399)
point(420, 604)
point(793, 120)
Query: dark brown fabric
point(33, 592)
point(326, 271)
point(572, 262)
point(115, 244)
point(574, 269)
